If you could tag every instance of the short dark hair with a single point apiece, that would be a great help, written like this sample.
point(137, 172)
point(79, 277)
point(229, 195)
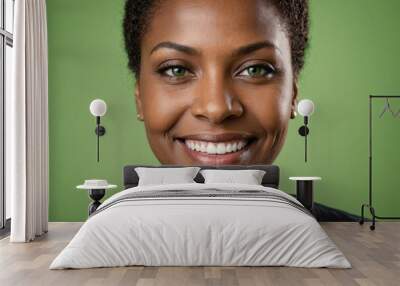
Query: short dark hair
point(138, 14)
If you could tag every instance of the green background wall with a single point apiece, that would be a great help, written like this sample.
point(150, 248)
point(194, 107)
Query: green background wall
point(354, 52)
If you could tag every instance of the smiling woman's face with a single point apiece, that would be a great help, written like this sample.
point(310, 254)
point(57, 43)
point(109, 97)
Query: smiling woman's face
point(216, 84)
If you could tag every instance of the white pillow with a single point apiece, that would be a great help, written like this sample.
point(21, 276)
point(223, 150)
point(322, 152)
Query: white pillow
point(162, 176)
point(249, 177)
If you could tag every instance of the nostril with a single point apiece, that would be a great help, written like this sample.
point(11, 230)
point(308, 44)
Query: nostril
point(217, 115)
point(217, 108)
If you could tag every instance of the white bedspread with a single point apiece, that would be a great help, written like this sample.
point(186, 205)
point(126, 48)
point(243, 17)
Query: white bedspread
point(183, 231)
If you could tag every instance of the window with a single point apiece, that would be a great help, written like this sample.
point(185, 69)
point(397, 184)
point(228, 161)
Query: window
point(6, 64)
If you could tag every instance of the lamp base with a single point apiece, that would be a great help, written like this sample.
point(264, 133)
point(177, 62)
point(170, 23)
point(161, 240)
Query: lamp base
point(303, 130)
point(100, 130)
point(96, 195)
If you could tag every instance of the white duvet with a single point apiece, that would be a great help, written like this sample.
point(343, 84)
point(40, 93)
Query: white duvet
point(204, 231)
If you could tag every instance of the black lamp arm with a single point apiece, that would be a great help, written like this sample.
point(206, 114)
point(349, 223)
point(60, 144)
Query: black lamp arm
point(305, 120)
point(304, 131)
point(100, 131)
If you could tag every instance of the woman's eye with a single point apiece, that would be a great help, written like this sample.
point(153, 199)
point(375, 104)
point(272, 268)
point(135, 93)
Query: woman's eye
point(174, 71)
point(259, 71)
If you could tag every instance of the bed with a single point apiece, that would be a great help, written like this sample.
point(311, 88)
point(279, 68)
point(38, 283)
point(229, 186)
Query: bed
point(201, 224)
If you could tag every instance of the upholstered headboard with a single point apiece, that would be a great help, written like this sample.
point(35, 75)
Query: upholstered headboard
point(270, 179)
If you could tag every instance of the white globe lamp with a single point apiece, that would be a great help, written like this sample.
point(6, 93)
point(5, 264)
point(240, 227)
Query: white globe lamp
point(305, 107)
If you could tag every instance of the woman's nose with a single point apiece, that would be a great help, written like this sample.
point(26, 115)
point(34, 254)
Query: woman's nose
point(216, 102)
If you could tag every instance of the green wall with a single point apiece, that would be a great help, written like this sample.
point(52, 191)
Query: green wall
point(354, 52)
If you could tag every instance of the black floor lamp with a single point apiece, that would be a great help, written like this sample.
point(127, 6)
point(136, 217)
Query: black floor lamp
point(395, 114)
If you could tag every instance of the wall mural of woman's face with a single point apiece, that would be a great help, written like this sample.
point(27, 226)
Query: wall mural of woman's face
point(216, 83)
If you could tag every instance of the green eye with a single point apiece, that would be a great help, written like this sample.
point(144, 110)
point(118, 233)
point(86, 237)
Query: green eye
point(256, 70)
point(259, 71)
point(175, 71)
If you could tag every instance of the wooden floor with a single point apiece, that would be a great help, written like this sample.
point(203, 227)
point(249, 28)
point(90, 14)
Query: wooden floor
point(375, 257)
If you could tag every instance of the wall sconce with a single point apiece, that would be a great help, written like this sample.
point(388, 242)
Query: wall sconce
point(98, 108)
point(305, 108)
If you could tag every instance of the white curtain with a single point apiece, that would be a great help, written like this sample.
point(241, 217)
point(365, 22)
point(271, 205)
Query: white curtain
point(27, 124)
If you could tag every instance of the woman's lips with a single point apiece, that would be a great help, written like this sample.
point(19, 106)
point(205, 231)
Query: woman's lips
point(213, 151)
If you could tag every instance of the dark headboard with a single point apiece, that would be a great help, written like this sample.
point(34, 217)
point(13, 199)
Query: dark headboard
point(270, 179)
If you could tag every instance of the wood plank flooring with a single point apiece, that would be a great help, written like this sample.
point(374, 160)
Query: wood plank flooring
point(375, 257)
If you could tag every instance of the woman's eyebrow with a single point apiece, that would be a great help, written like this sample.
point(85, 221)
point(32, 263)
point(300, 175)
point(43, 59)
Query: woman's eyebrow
point(175, 46)
point(247, 49)
point(241, 51)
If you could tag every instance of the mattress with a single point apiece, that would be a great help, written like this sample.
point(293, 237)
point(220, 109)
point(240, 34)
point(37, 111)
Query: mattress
point(201, 225)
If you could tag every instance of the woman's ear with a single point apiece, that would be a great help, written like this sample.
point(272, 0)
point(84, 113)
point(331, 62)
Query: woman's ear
point(138, 101)
point(293, 108)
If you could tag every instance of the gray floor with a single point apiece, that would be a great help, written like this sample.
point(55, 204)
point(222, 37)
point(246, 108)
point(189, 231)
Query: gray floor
point(375, 257)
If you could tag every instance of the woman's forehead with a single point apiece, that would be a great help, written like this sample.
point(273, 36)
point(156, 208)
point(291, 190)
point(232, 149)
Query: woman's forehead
point(215, 24)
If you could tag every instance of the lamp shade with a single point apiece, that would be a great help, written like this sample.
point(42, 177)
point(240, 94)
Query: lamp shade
point(98, 107)
point(305, 107)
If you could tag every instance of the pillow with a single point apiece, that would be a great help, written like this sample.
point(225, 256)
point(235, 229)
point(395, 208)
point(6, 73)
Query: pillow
point(249, 177)
point(162, 176)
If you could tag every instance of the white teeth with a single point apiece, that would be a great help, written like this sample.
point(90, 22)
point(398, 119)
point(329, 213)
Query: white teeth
point(221, 148)
point(211, 148)
point(229, 147)
point(215, 148)
point(203, 147)
point(234, 147)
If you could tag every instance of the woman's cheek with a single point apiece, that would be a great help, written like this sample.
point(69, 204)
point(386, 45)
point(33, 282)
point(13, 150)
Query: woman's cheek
point(271, 109)
point(162, 110)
